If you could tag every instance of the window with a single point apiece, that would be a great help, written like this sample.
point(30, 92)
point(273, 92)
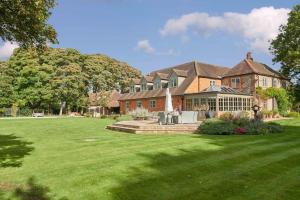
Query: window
point(240, 103)
point(283, 84)
point(244, 104)
point(188, 104)
point(248, 104)
point(138, 104)
point(274, 82)
point(173, 82)
point(196, 103)
point(221, 103)
point(226, 108)
point(264, 82)
point(235, 82)
point(127, 106)
point(144, 87)
point(265, 104)
point(132, 88)
point(211, 104)
point(230, 100)
point(164, 85)
point(152, 103)
point(211, 83)
point(157, 84)
point(235, 103)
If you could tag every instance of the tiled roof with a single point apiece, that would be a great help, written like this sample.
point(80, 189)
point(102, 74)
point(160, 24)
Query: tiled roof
point(211, 71)
point(189, 70)
point(136, 81)
point(149, 78)
point(182, 73)
point(249, 66)
point(201, 69)
point(113, 101)
point(162, 76)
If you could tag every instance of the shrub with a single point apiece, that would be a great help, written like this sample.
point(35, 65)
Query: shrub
point(244, 115)
point(240, 130)
point(139, 113)
point(240, 127)
point(293, 114)
point(226, 116)
point(25, 112)
point(275, 113)
point(266, 113)
point(217, 127)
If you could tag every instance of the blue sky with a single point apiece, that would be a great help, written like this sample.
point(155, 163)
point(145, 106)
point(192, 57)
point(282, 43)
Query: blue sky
point(137, 31)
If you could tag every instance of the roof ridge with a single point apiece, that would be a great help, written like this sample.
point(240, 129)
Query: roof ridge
point(211, 64)
point(170, 68)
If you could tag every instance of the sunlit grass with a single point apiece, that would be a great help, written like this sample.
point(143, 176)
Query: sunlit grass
point(80, 159)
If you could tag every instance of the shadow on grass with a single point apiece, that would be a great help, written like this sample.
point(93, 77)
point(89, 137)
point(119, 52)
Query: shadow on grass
point(34, 191)
point(244, 167)
point(12, 150)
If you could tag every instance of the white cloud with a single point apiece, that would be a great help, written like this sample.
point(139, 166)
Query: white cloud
point(6, 49)
point(257, 27)
point(144, 45)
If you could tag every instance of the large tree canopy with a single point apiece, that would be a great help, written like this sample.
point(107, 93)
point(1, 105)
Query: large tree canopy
point(105, 73)
point(286, 47)
point(25, 22)
point(59, 78)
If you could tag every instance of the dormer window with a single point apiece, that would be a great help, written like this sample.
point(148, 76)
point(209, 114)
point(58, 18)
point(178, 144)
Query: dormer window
point(157, 84)
point(144, 86)
point(173, 82)
point(132, 89)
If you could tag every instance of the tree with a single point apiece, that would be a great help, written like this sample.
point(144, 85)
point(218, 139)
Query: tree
point(58, 78)
point(286, 46)
point(6, 86)
point(25, 22)
point(104, 73)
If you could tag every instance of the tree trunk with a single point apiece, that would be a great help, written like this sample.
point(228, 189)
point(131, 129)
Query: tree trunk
point(61, 108)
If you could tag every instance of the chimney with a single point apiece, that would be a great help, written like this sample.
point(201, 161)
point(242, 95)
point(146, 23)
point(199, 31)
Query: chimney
point(249, 56)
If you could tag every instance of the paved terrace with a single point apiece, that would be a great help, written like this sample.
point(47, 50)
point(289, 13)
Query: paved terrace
point(150, 126)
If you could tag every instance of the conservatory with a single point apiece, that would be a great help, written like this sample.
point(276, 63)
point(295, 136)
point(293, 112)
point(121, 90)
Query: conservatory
point(218, 100)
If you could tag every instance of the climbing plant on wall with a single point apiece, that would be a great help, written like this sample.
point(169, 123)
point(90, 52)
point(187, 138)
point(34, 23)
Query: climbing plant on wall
point(280, 94)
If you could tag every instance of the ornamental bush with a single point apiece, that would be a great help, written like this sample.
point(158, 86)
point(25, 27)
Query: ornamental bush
point(239, 127)
point(217, 127)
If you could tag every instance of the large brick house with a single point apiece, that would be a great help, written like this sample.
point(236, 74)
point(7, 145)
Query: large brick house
point(200, 86)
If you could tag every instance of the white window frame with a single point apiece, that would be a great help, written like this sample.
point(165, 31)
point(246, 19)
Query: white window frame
point(212, 82)
point(152, 103)
point(173, 82)
point(235, 81)
point(157, 84)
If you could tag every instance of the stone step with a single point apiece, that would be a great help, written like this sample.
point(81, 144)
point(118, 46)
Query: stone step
point(153, 129)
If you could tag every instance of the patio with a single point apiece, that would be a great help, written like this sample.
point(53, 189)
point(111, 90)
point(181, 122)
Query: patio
point(151, 126)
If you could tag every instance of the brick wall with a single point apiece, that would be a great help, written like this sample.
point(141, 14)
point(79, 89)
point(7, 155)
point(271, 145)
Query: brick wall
point(160, 104)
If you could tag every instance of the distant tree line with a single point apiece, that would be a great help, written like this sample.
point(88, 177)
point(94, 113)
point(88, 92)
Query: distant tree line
point(59, 78)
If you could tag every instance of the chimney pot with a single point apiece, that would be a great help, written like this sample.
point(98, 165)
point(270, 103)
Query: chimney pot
point(249, 56)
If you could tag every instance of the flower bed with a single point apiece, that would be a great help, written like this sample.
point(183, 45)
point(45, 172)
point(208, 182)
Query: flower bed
point(229, 125)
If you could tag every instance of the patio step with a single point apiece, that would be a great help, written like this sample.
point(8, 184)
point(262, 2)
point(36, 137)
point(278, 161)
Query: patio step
point(153, 128)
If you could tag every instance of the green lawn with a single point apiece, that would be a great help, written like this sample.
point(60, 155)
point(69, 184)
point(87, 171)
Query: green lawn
point(80, 160)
